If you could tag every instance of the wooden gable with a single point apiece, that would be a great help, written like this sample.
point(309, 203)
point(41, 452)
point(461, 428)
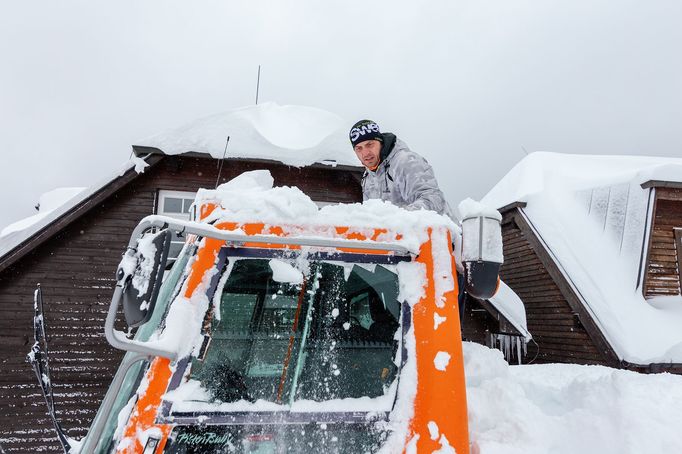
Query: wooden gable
point(662, 266)
point(563, 331)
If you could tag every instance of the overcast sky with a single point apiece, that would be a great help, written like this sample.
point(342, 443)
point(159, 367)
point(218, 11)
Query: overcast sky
point(468, 84)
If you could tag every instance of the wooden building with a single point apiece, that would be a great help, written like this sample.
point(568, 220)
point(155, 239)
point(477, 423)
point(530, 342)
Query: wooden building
point(587, 257)
point(74, 252)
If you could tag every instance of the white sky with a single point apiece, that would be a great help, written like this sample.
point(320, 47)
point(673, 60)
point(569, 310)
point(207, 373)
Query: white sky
point(468, 84)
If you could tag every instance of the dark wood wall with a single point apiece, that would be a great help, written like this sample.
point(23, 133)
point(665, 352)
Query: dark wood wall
point(556, 324)
point(662, 266)
point(76, 267)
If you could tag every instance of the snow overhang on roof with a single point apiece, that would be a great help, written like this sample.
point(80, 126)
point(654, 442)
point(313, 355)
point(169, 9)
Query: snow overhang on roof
point(62, 203)
point(510, 306)
point(294, 135)
point(591, 213)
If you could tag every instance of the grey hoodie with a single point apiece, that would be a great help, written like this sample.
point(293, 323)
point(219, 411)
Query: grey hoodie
point(405, 179)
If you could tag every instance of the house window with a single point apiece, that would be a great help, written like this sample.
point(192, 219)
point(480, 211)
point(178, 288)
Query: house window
point(678, 248)
point(175, 204)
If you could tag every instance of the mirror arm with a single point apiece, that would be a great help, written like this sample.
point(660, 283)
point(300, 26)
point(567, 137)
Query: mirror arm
point(118, 340)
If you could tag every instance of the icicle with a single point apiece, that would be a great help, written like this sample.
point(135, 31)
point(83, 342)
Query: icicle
point(512, 347)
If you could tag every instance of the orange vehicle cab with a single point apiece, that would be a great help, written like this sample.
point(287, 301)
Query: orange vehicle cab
point(284, 328)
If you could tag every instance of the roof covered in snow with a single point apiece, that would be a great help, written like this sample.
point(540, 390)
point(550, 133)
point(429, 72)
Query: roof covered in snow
point(591, 213)
point(55, 204)
point(294, 135)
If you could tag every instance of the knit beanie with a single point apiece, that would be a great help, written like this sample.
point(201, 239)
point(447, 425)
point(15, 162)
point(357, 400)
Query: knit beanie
point(364, 130)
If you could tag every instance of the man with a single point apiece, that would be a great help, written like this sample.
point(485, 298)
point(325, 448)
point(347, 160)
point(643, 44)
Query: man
point(396, 174)
point(393, 172)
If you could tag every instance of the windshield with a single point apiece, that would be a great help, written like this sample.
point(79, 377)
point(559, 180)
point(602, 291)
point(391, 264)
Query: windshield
point(295, 336)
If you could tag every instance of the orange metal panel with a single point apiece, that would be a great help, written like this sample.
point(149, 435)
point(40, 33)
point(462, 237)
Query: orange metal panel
point(441, 395)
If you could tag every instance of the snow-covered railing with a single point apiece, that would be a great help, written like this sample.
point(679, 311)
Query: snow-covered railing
point(207, 230)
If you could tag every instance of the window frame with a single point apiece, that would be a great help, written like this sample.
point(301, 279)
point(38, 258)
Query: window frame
point(677, 234)
point(184, 195)
point(162, 195)
point(284, 416)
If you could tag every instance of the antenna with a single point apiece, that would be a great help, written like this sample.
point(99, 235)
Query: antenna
point(257, 84)
point(220, 168)
point(524, 150)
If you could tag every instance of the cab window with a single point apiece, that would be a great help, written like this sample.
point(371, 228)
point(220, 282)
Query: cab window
point(329, 332)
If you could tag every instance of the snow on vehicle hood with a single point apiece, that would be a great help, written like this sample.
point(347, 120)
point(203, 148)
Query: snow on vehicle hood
point(591, 213)
point(294, 135)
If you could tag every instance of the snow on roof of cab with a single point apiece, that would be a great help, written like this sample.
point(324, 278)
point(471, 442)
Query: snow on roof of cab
point(251, 197)
point(293, 135)
point(591, 213)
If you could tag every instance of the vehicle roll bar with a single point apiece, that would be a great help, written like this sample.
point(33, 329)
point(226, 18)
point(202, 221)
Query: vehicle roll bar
point(207, 230)
point(117, 339)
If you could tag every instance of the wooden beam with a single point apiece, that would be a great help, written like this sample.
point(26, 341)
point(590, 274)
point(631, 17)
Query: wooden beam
point(511, 206)
point(648, 235)
point(661, 184)
point(678, 247)
point(142, 151)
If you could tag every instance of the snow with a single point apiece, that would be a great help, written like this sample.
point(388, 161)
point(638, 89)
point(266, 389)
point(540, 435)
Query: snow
point(437, 320)
point(48, 202)
point(567, 408)
point(284, 272)
point(442, 260)
point(146, 250)
point(469, 208)
point(441, 360)
point(252, 198)
point(511, 307)
point(139, 163)
point(294, 135)
point(591, 212)
point(445, 447)
point(433, 430)
point(58, 205)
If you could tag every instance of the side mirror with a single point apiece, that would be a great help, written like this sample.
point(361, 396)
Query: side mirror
point(481, 255)
point(140, 274)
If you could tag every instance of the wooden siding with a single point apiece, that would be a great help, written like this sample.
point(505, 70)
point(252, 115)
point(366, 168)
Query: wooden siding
point(555, 325)
point(662, 265)
point(75, 266)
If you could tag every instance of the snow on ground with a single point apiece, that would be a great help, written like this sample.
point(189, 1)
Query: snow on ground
point(569, 409)
point(591, 212)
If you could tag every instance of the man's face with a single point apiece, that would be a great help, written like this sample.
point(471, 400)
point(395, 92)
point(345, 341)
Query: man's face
point(368, 153)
